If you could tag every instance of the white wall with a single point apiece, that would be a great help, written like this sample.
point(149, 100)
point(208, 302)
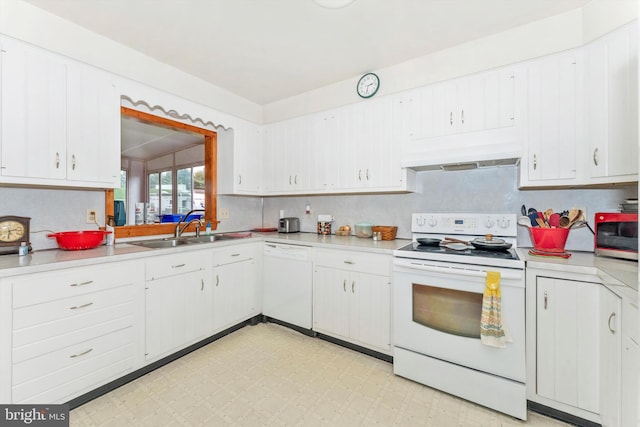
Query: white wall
point(550, 35)
point(25, 22)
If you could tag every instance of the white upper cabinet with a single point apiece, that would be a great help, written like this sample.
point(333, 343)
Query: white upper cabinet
point(470, 119)
point(60, 121)
point(551, 156)
point(371, 139)
point(93, 127)
point(290, 149)
point(611, 106)
point(34, 104)
point(240, 160)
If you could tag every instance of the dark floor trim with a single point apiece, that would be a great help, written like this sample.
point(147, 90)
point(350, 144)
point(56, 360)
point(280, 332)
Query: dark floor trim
point(559, 415)
point(81, 400)
point(351, 346)
point(307, 332)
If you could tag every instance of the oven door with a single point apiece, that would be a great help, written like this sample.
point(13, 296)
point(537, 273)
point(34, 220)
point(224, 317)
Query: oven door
point(437, 308)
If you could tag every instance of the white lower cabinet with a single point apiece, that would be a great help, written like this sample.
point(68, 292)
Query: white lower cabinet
point(574, 346)
point(351, 298)
point(236, 284)
point(178, 302)
point(71, 331)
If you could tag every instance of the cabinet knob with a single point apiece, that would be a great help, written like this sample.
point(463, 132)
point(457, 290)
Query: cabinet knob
point(535, 162)
point(450, 118)
point(545, 300)
point(73, 162)
point(595, 157)
point(353, 287)
point(462, 116)
point(344, 285)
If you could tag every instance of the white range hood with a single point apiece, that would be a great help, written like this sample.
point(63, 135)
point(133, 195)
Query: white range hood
point(455, 155)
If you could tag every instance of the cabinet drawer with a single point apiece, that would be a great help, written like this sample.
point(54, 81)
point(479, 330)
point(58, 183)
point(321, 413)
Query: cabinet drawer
point(53, 377)
point(236, 253)
point(171, 265)
point(42, 287)
point(630, 320)
point(354, 261)
point(43, 328)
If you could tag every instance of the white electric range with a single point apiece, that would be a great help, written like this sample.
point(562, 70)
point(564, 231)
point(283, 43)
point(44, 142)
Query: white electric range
point(437, 304)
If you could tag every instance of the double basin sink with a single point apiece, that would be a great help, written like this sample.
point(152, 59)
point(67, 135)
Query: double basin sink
point(172, 242)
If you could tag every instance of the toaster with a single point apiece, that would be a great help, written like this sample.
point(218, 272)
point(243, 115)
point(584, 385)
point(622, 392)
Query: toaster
point(289, 225)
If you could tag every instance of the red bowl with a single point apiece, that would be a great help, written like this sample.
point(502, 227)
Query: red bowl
point(78, 240)
point(549, 239)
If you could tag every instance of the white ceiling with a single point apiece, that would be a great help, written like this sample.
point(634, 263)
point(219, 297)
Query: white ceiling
point(267, 50)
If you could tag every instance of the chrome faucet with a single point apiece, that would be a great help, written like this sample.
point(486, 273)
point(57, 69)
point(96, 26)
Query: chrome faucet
point(179, 231)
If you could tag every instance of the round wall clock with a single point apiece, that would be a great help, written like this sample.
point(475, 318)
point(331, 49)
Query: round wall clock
point(13, 231)
point(368, 85)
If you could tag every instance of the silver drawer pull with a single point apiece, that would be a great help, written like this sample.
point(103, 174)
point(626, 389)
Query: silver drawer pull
point(349, 262)
point(81, 354)
point(81, 283)
point(235, 254)
point(178, 265)
point(80, 306)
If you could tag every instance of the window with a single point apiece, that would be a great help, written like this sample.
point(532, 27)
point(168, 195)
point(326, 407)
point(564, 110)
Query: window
point(121, 193)
point(188, 193)
point(210, 174)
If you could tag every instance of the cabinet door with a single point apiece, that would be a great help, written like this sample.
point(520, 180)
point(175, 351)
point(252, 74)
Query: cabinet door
point(247, 156)
point(93, 126)
point(610, 356)
point(33, 113)
point(330, 163)
point(611, 110)
point(567, 345)
point(369, 309)
point(235, 296)
point(551, 135)
point(331, 301)
point(178, 311)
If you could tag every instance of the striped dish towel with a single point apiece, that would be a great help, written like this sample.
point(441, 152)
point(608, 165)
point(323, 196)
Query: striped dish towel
point(493, 332)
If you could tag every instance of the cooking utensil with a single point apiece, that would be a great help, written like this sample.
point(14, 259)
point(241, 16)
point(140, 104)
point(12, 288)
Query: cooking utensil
point(554, 220)
point(428, 241)
point(523, 210)
point(542, 223)
point(564, 221)
point(454, 240)
point(524, 220)
point(533, 218)
point(491, 245)
point(456, 246)
point(531, 211)
point(78, 240)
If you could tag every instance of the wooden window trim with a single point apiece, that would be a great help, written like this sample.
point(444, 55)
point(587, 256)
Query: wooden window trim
point(210, 177)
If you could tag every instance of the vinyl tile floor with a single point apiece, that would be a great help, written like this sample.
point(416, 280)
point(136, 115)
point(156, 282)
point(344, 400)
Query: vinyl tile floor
point(269, 375)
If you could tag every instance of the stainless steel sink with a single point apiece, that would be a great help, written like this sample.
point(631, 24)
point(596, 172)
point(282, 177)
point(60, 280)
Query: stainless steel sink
point(162, 243)
point(172, 242)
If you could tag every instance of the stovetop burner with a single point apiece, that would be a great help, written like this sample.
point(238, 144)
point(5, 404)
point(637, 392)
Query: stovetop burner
point(509, 254)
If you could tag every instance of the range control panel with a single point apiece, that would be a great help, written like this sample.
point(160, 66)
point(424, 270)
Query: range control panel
point(498, 224)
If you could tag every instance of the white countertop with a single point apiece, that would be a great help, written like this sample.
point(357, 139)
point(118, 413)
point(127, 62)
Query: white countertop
point(612, 271)
point(54, 259)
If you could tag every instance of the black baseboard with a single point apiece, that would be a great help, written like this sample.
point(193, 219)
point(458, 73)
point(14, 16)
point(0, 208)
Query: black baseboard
point(307, 332)
point(559, 415)
point(355, 347)
point(81, 400)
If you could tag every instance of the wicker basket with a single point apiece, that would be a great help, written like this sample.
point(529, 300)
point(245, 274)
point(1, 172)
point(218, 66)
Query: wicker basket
point(388, 232)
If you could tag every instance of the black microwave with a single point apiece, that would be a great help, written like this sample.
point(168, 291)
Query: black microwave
point(616, 235)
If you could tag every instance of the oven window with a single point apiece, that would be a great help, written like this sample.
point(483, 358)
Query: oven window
point(446, 310)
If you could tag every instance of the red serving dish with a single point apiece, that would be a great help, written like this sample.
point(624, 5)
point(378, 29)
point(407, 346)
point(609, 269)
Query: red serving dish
point(78, 240)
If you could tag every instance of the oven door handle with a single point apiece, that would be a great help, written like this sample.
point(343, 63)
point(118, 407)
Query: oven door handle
point(454, 271)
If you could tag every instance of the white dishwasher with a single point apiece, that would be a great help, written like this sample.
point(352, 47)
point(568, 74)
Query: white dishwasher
point(287, 283)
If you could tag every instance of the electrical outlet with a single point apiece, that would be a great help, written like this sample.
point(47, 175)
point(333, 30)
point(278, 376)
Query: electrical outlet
point(92, 216)
point(224, 214)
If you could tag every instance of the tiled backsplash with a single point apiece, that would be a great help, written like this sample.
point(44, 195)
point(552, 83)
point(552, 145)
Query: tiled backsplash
point(490, 190)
